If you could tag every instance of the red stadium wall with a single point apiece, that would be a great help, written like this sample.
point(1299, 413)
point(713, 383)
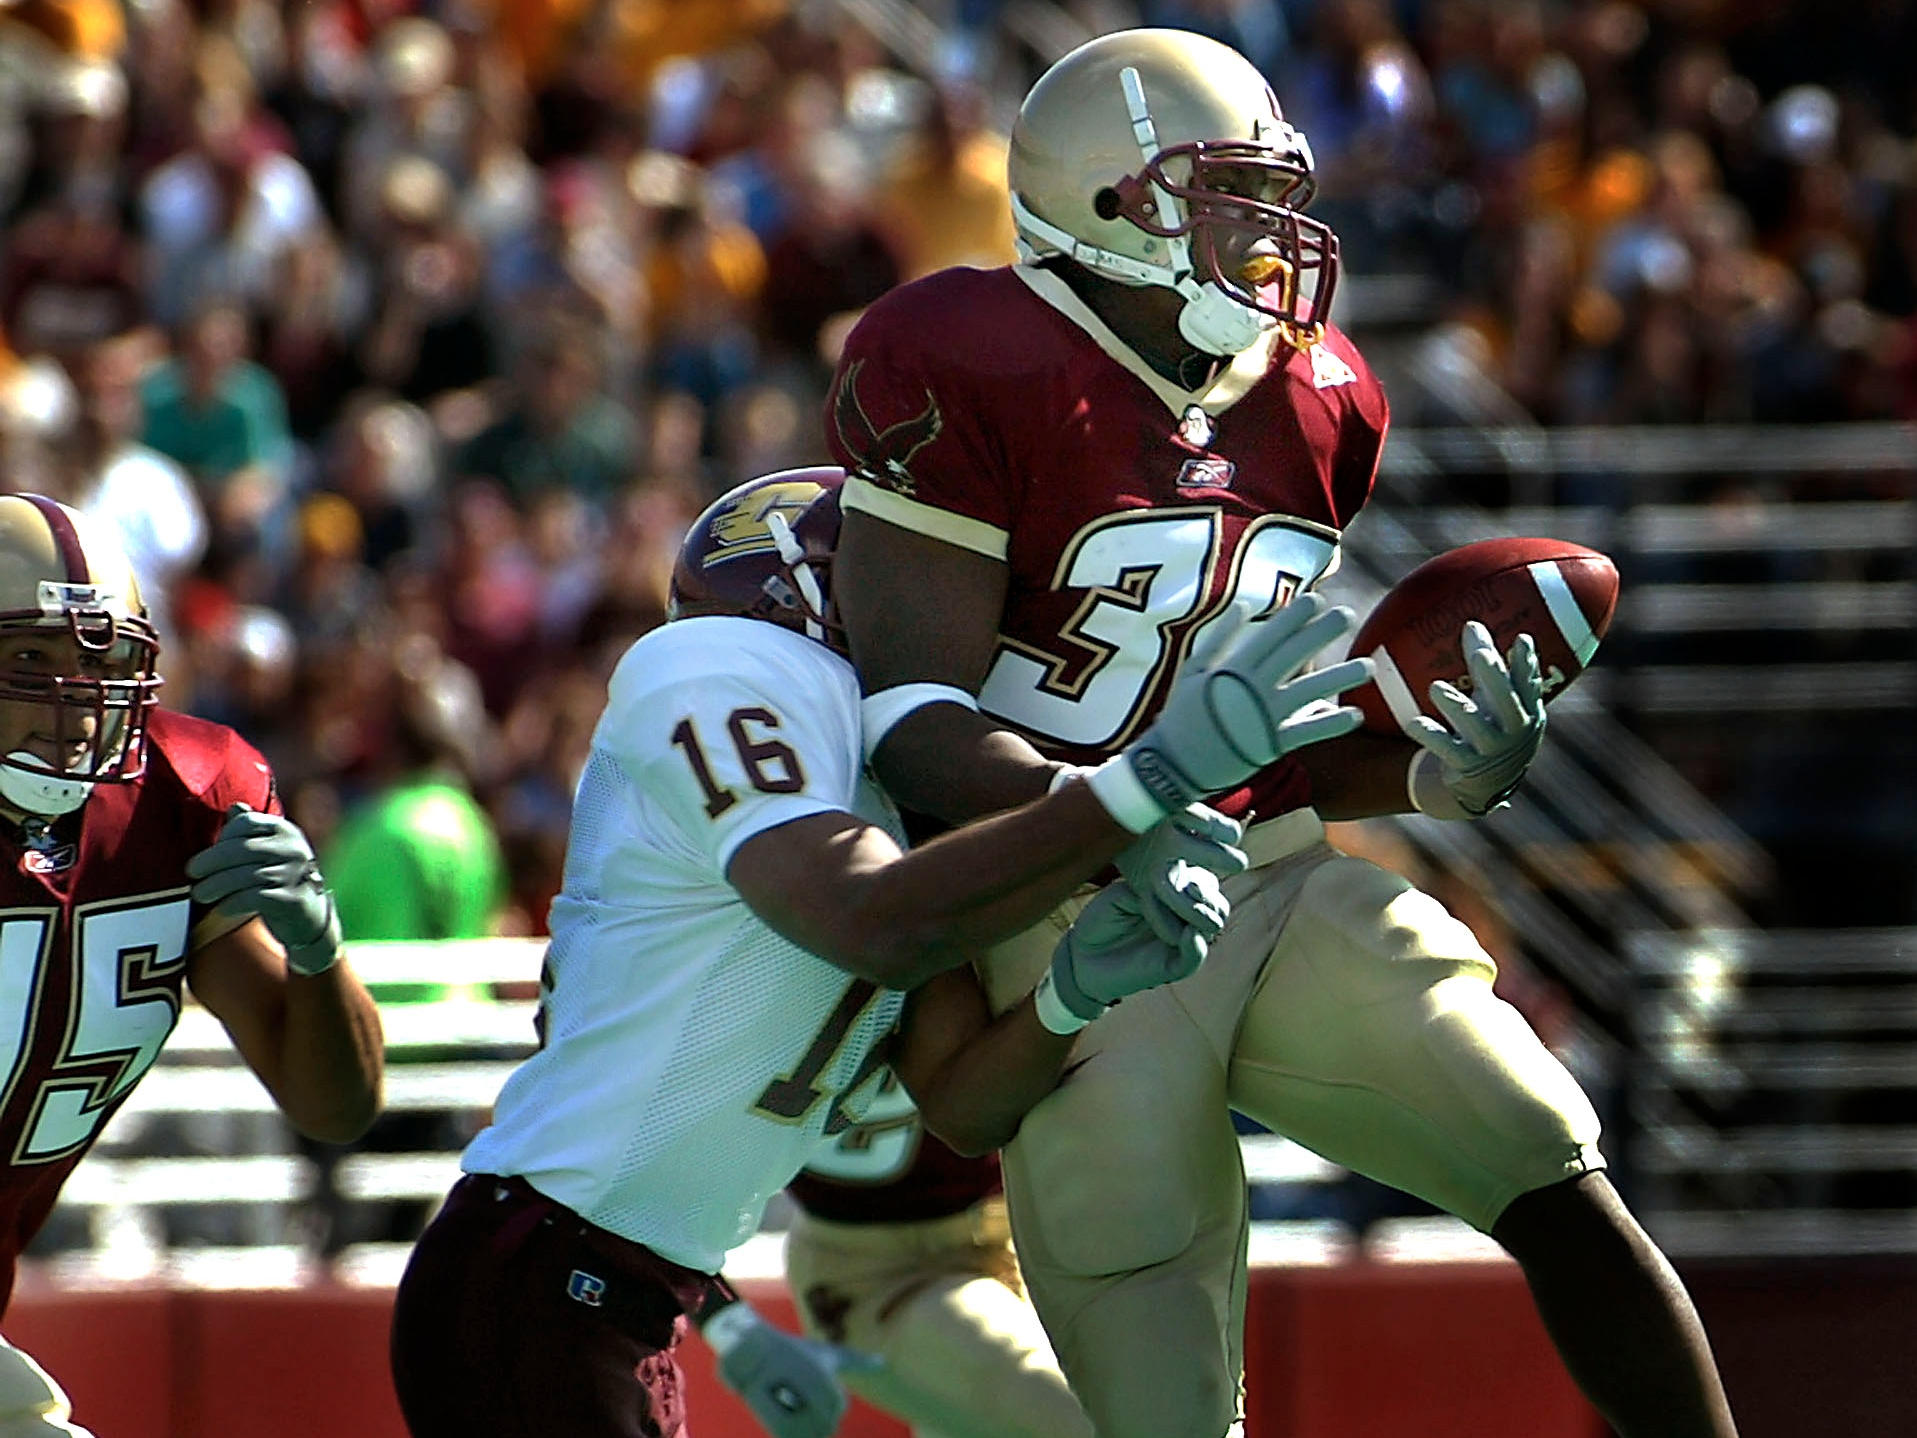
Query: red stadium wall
point(1354, 1351)
point(1358, 1350)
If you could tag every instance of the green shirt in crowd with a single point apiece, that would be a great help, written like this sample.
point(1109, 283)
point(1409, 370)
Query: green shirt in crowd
point(419, 861)
point(244, 424)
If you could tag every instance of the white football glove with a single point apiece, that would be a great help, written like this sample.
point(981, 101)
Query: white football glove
point(1235, 708)
point(1111, 951)
point(791, 1384)
point(262, 864)
point(1473, 767)
point(1195, 837)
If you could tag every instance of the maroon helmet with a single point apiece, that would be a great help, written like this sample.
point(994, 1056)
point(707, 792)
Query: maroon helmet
point(764, 551)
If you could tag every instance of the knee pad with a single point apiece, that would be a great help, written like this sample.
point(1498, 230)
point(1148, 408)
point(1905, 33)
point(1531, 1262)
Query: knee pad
point(32, 1405)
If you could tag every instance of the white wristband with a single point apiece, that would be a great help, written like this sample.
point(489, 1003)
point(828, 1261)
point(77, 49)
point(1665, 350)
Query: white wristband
point(1124, 795)
point(724, 1330)
point(1052, 1013)
point(880, 713)
point(1424, 785)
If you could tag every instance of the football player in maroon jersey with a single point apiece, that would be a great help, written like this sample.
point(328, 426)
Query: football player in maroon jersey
point(1066, 475)
point(144, 854)
point(901, 1248)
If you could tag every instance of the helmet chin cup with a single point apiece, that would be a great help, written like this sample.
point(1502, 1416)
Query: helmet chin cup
point(1214, 322)
point(29, 786)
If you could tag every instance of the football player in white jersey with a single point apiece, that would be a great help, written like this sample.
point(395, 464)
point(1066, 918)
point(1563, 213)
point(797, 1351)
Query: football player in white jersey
point(733, 949)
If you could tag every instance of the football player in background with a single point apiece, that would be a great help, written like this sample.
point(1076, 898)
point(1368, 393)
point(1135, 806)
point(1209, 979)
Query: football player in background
point(732, 950)
point(1065, 474)
point(145, 854)
point(901, 1249)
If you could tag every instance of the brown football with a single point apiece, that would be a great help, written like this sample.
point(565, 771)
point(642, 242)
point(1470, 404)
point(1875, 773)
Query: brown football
point(1561, 594)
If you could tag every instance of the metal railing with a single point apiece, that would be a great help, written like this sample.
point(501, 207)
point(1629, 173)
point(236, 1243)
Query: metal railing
point(1774, 1101)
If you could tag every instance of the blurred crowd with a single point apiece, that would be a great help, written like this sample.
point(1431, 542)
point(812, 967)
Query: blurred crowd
point(1671, 211)
point(399, 342)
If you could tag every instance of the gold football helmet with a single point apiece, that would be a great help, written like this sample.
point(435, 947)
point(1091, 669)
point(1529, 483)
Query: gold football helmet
point(76, 646)
point(1160, 157)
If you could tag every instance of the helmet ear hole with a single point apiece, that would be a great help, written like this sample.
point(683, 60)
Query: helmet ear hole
point(1106, 203)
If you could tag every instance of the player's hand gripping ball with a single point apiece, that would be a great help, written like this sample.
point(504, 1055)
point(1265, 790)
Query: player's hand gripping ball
point(1561, 594)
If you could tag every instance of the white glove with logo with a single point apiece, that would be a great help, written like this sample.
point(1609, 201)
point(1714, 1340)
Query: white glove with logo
point(791, 1384)
point(1473, 767)
point(262, 864)
point(1111, 951)
point(1235, 708)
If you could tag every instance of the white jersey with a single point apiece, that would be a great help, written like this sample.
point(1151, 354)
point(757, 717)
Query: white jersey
point(694, 1059)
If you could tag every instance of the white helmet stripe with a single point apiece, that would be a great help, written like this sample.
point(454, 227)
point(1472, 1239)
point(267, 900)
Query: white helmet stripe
point(1171, 213)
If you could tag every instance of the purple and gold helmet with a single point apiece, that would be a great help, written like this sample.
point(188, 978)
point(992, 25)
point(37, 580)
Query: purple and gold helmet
point(764, 551)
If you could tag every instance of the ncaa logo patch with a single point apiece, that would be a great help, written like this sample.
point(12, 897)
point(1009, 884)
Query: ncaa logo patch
point(583, 1287)
point(1206, 472)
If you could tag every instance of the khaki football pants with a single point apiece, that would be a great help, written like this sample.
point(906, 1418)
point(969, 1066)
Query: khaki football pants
point(940, 1301)
point(31, 1403)
point(1342, 1008)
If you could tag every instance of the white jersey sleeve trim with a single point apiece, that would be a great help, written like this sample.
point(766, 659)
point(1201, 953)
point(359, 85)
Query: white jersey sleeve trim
point(767, 815)
point(929, 520)
point(884, 711)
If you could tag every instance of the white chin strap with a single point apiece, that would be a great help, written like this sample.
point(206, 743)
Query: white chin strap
point(28, 785)
point(1211, 320)
point(793, 553)
point(1216, 323)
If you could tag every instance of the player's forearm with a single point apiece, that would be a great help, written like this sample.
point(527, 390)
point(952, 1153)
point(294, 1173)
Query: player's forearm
point(937, 906)
point(955, 764)
point(1359, 776)
point(976, 1100)
point(332, 1056)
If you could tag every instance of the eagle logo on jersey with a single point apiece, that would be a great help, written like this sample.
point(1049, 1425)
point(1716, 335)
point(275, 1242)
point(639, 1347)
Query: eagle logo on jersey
point(884, 455)
point(741, 529)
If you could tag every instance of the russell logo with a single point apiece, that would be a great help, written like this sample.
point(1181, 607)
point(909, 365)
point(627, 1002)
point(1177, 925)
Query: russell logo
point(583, 1287)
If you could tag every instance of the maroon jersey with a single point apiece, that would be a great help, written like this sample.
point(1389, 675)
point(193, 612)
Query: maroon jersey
point(991, 409)
point(95, 928)
point(888, 1169)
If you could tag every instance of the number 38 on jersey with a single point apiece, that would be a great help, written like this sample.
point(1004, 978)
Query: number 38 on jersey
point(1151, 593)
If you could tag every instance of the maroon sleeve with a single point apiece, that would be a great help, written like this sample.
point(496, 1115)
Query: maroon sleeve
point(244, 777)
point(1361, 434)
point(912, 405)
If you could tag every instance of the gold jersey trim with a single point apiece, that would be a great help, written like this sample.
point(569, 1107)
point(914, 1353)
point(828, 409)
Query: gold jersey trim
point(929, 520)
point(1232, 384)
